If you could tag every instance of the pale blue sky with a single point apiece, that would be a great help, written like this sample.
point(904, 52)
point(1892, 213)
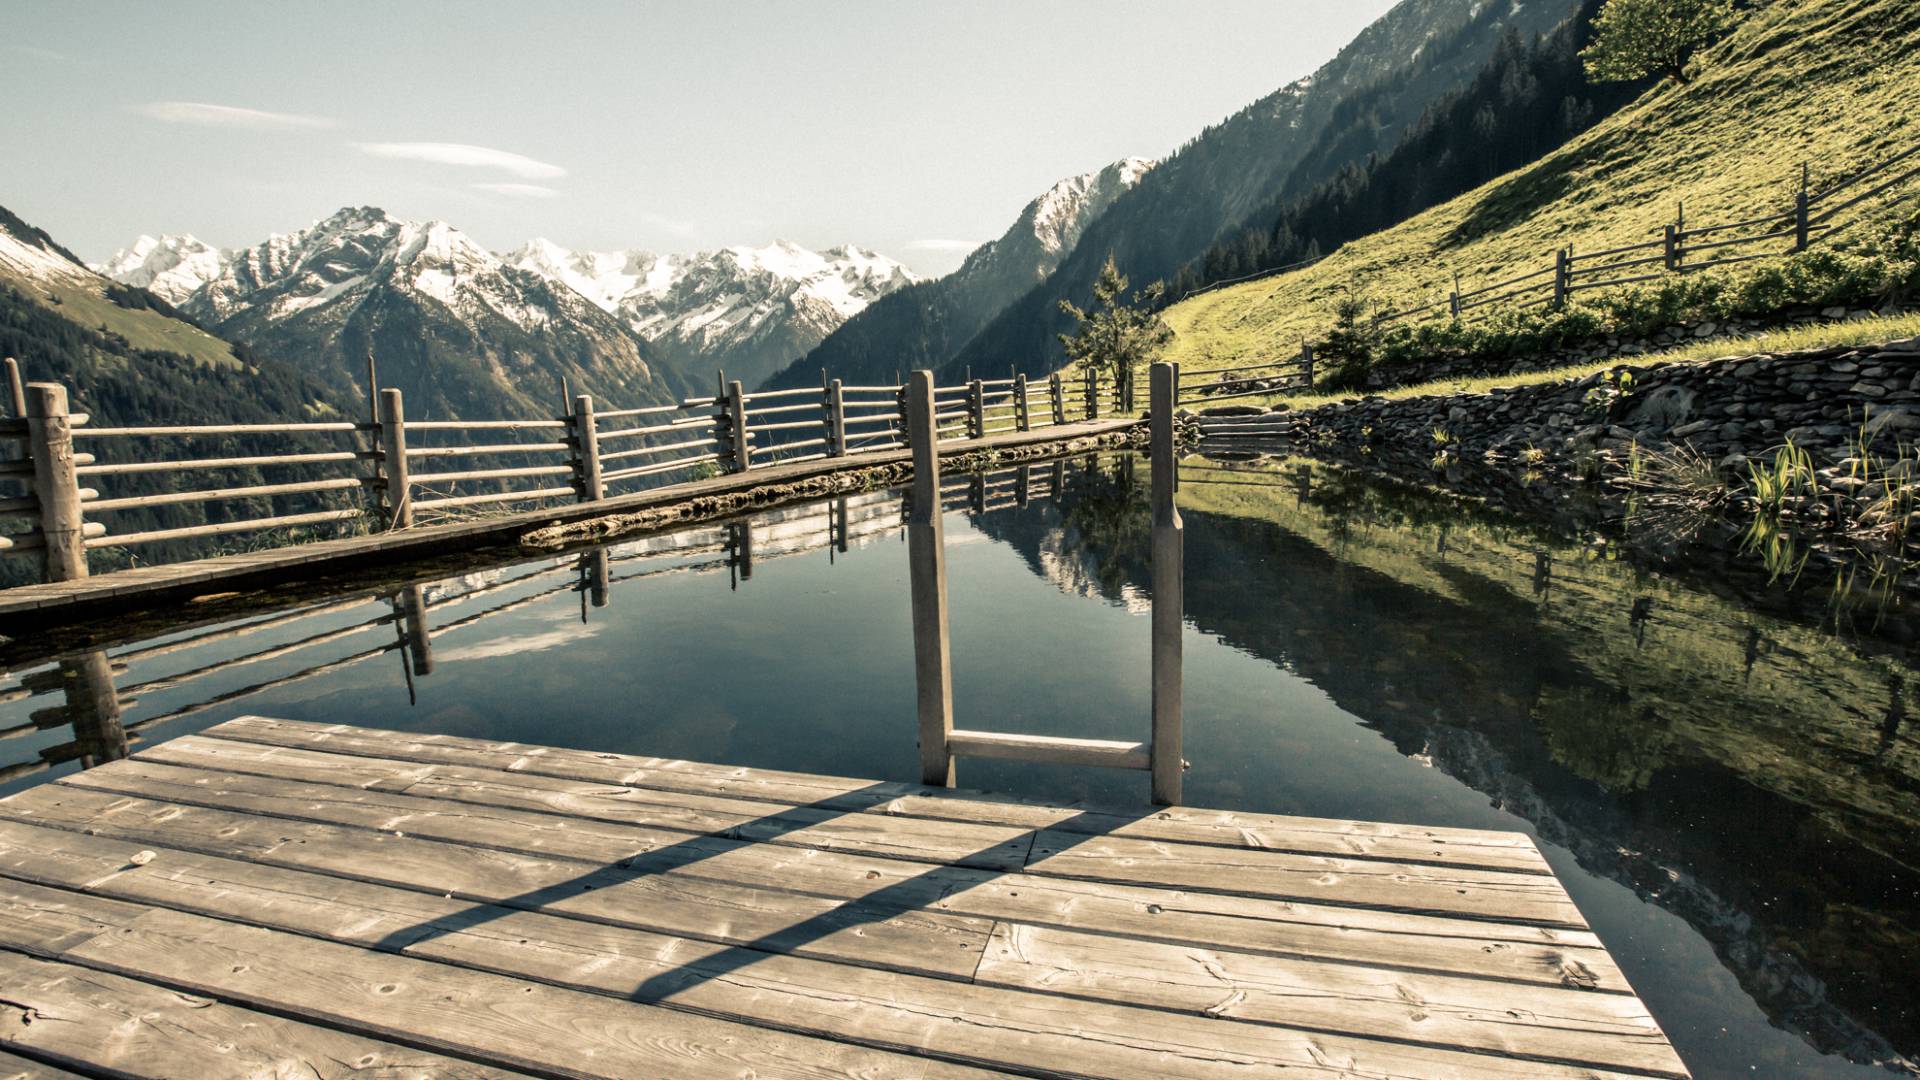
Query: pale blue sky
point(905, 127)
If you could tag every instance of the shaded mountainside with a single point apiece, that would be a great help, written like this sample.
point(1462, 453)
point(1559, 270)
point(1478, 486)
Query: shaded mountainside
point(924, 325)
point(1824, 82)
point(1754, 777)
point(68, 325)
point(458, 331)
point(1362, 102)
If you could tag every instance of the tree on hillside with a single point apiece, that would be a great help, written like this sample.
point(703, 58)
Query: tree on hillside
point(1636, 38)
point(1118, 337)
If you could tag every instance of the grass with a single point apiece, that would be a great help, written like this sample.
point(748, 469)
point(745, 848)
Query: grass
point(86, 304)
point(1827, 82)
point(1814, 336)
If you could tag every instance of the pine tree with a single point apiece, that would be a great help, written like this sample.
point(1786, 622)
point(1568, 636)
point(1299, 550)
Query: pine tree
point(1117, 337)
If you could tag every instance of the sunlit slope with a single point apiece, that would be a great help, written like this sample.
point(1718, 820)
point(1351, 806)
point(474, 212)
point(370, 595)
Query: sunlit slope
point(1834, 83)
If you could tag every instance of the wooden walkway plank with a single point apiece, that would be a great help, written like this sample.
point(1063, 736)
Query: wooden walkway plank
point(1479, 894)
point(14, 1067)
point(503, 1021)
point(884, 935)
point(989, 846)
point(1493, 850)
point(109, 1023)
point(1539, 955)
point(1575, 1026)
point(1003, 1028)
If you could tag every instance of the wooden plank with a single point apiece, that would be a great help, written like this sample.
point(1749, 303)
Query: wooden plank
point(499, 1020)
point(964, 844)
point(1480, 894)
point(130, 1028)
point(1409, 843)
point(1049, 749)
point(14, 1067)
point(1037, 1033)
point(879, 933)
point(1527, 954)
point(1283, 875)
point(1553, 1024)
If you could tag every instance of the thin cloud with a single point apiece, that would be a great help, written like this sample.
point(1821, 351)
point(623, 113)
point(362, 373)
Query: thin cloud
point(944, 245)
point(478, 157)
point(228, 116)
point(518, 191)
point(39, 53)
point(676, 226)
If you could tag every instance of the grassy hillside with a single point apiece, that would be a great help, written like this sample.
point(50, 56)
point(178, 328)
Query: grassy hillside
point(1829, 82)
point(40, 269)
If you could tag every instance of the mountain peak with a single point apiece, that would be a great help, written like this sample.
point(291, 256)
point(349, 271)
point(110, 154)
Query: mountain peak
point(171, 267)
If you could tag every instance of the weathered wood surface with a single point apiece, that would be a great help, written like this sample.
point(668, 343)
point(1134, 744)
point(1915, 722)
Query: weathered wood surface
point(271, 898)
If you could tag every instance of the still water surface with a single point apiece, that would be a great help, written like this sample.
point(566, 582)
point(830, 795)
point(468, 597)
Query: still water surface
point(1729, 796)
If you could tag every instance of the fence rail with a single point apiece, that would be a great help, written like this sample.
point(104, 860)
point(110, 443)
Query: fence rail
point(381, 472)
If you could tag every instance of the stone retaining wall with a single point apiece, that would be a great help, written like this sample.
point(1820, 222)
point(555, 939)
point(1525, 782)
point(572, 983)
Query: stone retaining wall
point(1729, 410)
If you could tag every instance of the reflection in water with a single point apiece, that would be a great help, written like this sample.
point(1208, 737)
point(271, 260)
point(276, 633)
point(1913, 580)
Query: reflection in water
point(1356, 648)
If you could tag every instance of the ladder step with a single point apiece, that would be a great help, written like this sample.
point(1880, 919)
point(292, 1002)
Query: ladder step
point(1050, 749)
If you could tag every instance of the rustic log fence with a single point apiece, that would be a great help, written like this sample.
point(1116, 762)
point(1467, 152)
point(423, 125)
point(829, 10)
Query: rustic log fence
point(1679, 248)
point(390, 471)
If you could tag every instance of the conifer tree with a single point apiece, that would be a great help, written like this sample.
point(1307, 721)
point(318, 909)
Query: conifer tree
point(1118, 337)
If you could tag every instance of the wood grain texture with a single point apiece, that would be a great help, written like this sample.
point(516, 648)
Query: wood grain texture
point(1349, 839)
point(97, 1021)
point(572, 914)
point(15, 1067)
point(890, 934)
point(1003, 1027)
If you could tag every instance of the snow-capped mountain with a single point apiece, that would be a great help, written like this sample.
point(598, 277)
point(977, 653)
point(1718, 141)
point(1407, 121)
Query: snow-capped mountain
point(459, 331)
point(170, 267)
point(748, 311)
point(926, 325)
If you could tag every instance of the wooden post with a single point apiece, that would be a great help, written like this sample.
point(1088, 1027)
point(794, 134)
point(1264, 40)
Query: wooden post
point(413, 614)
point(1801, 218)
point(1453, 300)
point(16, 393)
point(1168, 586)
point(737, 426)
point(1562, 276)
point(598, 575)
point(93, 708)
point(836, 419)
point(1022, 481)
point(1670, 243)
point(840, 524)
point(976, 410)
point(1022, 415)
point(1306, 361)
point(927, 565)
point(586, 446)
point(393, 456)
point(63, 527)
point(1057, 397)
point(1093, 395)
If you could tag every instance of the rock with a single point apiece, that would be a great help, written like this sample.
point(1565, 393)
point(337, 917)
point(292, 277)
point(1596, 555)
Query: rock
point(1706, 329)
point(1868, 389)
point(1694, 428)
point(1833, 313)
point(1234, 410)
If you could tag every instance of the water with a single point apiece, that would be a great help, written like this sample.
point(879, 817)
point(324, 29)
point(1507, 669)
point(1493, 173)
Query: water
point(1728, 794)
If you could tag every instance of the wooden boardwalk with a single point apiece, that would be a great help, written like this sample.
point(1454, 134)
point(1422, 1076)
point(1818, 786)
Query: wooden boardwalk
point(283, 899)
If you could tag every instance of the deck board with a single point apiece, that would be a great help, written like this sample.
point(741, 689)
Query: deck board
point(516, 908)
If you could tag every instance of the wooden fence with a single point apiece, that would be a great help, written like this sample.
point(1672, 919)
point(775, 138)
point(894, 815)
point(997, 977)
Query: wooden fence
point(1680, 248)
point(389, 471)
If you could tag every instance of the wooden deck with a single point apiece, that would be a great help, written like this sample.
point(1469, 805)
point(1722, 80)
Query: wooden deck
point(283, 899)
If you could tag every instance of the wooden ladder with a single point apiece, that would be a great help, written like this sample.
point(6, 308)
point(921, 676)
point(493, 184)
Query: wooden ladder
point(940, 742)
